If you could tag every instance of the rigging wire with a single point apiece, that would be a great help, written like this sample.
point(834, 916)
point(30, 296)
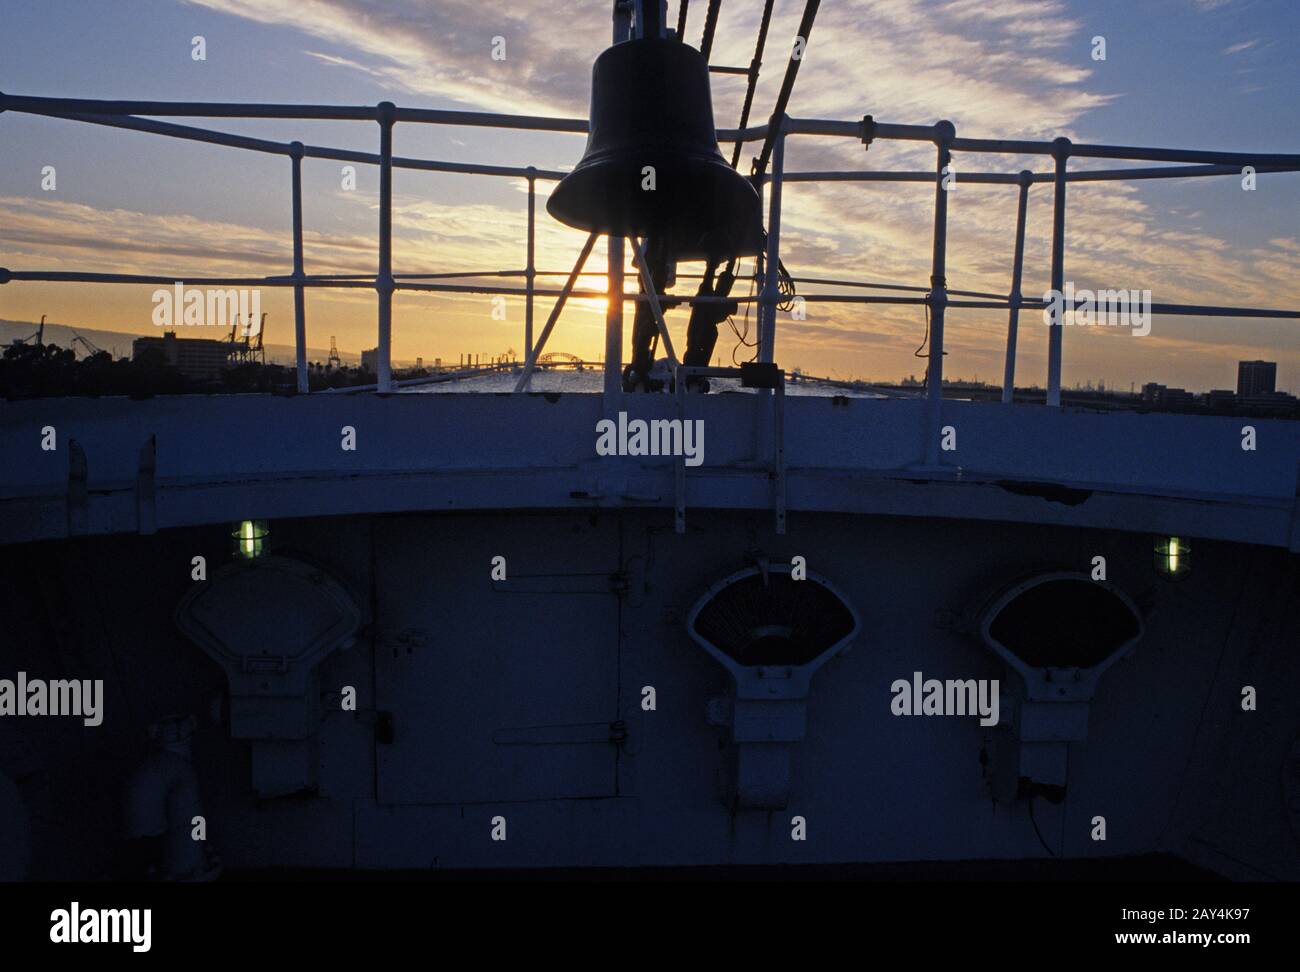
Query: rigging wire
point(681, 18)
point(782, 100)
point(787, 85)
point(710, 25)
point(754, 67)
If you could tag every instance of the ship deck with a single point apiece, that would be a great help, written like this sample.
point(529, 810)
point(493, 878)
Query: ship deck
point(124, 466)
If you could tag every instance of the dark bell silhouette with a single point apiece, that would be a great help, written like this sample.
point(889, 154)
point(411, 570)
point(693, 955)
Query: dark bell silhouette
point(650, 106)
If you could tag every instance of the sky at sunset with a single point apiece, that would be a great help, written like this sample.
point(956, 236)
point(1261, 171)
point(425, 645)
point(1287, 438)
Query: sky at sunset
point(1202, 74)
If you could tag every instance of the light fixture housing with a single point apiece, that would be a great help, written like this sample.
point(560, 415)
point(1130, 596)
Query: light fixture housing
point(248, 538)
point(1173, 557)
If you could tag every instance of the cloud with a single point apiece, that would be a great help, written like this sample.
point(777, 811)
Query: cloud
point(336, 61)
point(1241, 46)
point(52, 234)
point(973, 62)
point(443, 51)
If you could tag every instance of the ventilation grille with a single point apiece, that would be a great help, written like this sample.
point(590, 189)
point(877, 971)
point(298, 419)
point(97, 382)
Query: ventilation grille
point(1065, 623)
point(777, 621)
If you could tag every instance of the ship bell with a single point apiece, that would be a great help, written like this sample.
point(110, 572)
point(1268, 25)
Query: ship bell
point(652, 167)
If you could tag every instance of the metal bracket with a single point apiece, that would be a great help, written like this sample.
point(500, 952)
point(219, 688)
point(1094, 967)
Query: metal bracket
point(146, 510)
point(868, 132)
point(679, 467)
point(1294, 540)
point(78, 498)
point(766, 376)
point(778, 454)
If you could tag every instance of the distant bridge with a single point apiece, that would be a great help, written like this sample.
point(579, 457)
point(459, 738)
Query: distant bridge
point(560, 357)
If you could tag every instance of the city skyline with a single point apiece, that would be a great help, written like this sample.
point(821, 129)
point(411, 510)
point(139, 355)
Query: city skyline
point(283, 354)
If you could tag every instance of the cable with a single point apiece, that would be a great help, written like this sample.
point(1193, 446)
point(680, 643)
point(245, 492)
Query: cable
point(1036, 830)
point(785, 285)
point(741, 337)
point(926, 339)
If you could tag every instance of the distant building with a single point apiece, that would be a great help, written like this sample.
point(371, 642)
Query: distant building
point(1158, 394)
point(370, 361)
point(1256, 378)
point(1220, 401)
point(200, 358)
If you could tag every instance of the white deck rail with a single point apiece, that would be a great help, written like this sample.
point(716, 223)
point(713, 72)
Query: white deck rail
point(141, 116)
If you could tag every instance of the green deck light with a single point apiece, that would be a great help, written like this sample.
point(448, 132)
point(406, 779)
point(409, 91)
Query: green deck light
point(1173, 556)
point(249, 537)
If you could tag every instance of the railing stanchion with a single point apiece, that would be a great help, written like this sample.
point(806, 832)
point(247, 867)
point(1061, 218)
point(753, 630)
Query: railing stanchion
point(531, 275)
point(614, 326)
point(613, 391)
point(1061, 152)
point(772, 265)
point(299, 306)
point(1014, 298)
point(384, 281)
point(944, 132)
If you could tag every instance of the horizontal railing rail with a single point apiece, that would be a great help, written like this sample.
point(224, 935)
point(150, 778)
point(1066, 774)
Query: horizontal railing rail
point(142, 116)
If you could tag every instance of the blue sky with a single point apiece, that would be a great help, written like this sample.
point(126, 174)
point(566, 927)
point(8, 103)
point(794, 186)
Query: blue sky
point(1181, 73)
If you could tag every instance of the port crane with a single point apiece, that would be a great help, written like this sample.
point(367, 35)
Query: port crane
point(91, 347)
point(250, 350)
point(39, 335)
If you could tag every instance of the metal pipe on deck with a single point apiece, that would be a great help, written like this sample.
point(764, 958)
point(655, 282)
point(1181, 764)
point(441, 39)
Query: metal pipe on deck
point(772, 263)
point(938, 299)
point(384, 283)
point(299, 305)
point(531, 271)
point(1014, 297)
point(614, 326)
point(647, 282)
point(613, 377)
point(1061, 152)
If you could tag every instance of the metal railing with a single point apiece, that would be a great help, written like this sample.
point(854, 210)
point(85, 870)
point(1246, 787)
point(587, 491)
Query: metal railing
point(936, 297)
